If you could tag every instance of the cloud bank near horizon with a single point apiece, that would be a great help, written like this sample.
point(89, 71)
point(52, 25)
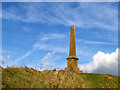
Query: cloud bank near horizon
point(103, 63)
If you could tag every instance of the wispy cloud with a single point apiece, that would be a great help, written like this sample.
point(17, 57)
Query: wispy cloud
point(46, 47)
point(62, 14)
point(27, 29)
point(51, 46)
point(51, 36)
point(39, 45)
point(93, 42)
point(24, 56)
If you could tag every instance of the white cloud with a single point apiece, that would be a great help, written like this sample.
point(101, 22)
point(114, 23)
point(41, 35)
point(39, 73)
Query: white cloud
point(46, 59)
point(85, 15)
point(104, 63)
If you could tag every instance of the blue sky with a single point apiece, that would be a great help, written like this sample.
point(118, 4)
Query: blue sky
point(39, 33)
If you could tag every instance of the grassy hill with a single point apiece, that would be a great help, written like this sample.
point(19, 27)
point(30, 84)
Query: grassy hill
point(24, 77)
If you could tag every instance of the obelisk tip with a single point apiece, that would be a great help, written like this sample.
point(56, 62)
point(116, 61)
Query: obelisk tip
point(72, 27)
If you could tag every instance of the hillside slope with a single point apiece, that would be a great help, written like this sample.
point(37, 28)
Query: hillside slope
point(24, 77)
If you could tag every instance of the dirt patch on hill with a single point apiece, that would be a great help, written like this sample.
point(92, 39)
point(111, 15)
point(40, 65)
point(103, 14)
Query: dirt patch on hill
point(108, 77)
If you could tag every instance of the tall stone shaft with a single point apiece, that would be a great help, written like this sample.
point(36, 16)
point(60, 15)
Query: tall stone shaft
point(72, 51)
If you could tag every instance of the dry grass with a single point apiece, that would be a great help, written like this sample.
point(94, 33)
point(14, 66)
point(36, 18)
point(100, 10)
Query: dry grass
point(24, 77)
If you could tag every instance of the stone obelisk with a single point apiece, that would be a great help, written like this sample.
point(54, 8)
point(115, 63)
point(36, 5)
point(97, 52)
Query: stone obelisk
point(72, 60)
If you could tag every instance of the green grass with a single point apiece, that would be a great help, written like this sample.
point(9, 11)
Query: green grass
point(101, 80)
point(24, 77)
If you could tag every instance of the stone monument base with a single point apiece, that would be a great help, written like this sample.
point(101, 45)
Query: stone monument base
point(75, 70)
